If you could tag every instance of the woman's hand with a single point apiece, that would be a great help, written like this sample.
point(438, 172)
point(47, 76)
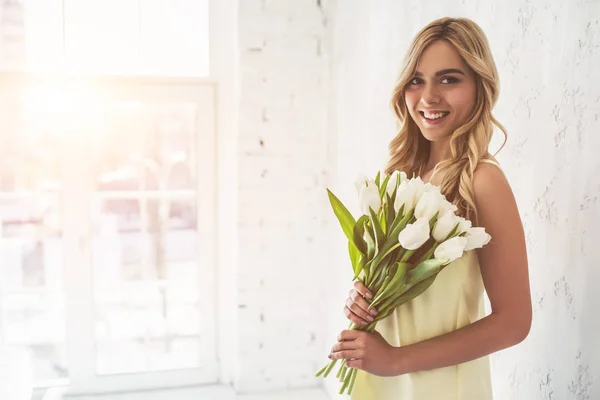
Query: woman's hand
point(367, 351)
point(357, 307)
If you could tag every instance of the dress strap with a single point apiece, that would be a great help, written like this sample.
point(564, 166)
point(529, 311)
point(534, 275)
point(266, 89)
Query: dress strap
point(493, 162)
point(490, 161)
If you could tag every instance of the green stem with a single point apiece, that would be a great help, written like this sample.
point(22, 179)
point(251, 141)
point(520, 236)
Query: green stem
point(352, 379)
point(329, 368)
point(345, 385)
point(427, 254)
point(407, 255)
point(339, 373)
point(342, 372)
point(322, 370)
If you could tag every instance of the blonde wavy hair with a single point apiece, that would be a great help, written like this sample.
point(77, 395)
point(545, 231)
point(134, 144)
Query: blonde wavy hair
point(409, 150)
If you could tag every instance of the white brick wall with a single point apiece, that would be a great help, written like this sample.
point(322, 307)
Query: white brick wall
point(548, 54)
point(293, 273)
point(283, 156)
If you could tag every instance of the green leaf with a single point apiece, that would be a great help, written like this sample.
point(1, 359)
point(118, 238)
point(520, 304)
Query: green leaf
point(395, 282)
point(346, 219)
point(390, 212)
point(416, 290)
point(359, 230)
point(407, 296)
point(424, 271)
point(382, 219)
point(394, 247)
point(392, 237)
point(433, 220)
point(368, 276)
point(377, 178)
point(401, 223)
point(383, 187)
point(354, 256)
point(398, 217)
point(360, 267)
point(379, 235)
point(371, 246)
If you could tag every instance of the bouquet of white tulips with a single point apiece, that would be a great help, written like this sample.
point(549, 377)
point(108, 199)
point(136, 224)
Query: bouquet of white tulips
point(407, 234)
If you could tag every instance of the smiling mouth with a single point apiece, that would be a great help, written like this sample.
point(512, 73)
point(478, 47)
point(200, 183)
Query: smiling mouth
point(434, 118)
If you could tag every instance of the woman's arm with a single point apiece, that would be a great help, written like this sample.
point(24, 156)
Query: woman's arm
point(504, 270)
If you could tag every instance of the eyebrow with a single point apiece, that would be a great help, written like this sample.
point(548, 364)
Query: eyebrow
point(443, 72)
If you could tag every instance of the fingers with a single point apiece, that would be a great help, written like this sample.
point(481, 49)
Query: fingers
point(362, 289)
point(350, 334)
point(360, 301)
point(353, 317)
point(346, 345)
point(357, 314)
point(349, 354)
point(357, 363)
point(357, 309)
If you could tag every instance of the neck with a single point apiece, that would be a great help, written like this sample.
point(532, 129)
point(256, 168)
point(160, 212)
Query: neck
point(438, 152)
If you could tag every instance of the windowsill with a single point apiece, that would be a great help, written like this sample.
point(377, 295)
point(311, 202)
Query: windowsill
point(190, 393)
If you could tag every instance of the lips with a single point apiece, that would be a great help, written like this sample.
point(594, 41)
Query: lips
point(434, 121)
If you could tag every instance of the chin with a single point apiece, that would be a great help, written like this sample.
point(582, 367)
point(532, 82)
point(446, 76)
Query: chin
point(435, 137)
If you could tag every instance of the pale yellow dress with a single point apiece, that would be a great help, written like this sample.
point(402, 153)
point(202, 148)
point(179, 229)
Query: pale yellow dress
point(455, 299)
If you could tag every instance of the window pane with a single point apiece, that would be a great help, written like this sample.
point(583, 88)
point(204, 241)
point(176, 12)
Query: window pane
point(145, 147)
point(146, 285)
point(174, 37)
point(145, 260)
point(31, 259)
point(43, 36)
point(124, 37)
point(149, 37)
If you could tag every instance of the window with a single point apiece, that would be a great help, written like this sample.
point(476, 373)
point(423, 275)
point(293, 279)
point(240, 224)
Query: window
point(107, 118)
point(117, 37)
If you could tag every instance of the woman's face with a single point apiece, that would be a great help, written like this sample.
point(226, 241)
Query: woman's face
point(441, 95)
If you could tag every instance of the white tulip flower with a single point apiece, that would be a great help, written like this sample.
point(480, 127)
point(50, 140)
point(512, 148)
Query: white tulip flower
point(409, 192)
point(476, 238)
point(433, 202)
point(431, 188)
point(414, 235)
point(393, 181)
point(361, 181)
point(368, 197)
point(451, 249)
point(464, 225)
point(444, 225)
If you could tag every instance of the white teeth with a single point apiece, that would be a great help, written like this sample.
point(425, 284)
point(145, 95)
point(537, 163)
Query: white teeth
point(434, 116)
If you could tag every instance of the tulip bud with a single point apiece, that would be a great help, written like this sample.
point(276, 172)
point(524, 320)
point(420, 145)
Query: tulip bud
point(361, 181)
point(368, 197)
point(393, 181)
point(451, 249)
point(432, 202)
point(414, 235)
point(444, 225)
point(476, 238)
point(409, 192)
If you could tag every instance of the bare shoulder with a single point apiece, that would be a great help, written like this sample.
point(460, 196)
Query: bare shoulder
point(495, 201)
point(489, 180)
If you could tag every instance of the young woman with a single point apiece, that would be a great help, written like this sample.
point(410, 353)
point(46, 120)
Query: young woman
point(436, 346)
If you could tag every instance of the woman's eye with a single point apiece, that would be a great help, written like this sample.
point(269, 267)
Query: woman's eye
point(449, 79)
point(415, 81)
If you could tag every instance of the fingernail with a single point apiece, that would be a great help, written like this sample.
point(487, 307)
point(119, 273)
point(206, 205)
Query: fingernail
point(373, 311)
point(363, 322)
point(369, 295)
point(329, 356)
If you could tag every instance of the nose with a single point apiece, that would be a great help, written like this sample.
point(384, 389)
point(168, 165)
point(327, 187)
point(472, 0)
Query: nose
point(430, 95)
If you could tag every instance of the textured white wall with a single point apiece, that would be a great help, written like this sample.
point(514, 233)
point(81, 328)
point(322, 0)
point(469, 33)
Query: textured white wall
point(282, 204)
point(548, 56)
